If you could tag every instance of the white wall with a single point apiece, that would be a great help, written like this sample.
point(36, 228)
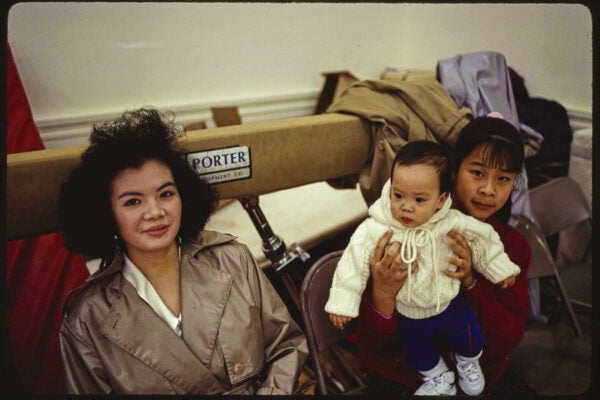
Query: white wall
point(550, 45)
point(85, 62)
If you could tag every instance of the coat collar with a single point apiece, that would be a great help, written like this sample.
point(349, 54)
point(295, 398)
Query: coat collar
point(205, 239)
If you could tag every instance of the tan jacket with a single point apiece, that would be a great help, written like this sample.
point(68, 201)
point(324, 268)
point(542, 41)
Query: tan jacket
point(238, 336)
point(398, 112)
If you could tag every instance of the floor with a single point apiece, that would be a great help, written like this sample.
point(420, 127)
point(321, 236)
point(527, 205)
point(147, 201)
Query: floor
point(552, 360)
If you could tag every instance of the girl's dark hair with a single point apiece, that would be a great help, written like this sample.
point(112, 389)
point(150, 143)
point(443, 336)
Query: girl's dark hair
point(502, 148)
point(429, 153)
point(128, 142)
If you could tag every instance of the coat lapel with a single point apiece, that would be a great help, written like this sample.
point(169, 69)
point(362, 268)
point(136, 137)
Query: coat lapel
point(136, 328)
point(201, 320)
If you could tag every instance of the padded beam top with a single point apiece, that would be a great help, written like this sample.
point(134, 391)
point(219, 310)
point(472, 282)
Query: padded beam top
point(284, 153)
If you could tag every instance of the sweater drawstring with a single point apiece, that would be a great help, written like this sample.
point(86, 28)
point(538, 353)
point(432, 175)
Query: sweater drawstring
point(413, 238)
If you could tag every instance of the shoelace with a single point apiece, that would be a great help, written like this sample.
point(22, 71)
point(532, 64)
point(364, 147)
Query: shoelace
point(413, 238)
point(469, 369)
point(430, 384)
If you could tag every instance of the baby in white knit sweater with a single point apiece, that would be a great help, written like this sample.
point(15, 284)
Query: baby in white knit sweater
point(415, 205)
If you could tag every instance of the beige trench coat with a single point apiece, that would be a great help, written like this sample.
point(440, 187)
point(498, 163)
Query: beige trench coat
point(399, 112)
point(238, 336)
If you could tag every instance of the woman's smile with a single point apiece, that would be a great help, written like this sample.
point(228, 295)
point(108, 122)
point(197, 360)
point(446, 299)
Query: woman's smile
point(158, 230)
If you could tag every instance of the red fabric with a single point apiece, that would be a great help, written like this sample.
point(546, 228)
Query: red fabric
point(21, 132)
point(502, 314)
point(39, 270)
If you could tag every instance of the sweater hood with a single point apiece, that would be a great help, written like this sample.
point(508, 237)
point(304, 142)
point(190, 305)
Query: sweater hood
point(381, 210)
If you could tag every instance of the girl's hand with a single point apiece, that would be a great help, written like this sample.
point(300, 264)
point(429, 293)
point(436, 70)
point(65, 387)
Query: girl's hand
point(387, 274)
point(339, 321)
point(463, 262)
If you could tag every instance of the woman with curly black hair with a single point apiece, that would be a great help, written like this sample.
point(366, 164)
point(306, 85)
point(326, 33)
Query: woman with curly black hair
point(173, 308)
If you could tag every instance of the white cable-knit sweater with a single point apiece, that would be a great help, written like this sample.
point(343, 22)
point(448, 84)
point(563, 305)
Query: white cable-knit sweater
point(428, 291)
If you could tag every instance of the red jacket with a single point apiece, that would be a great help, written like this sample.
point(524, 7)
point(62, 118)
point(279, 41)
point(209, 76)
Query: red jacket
point(501, 312)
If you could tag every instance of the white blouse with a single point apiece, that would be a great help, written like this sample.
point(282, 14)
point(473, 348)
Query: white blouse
point(147, 292)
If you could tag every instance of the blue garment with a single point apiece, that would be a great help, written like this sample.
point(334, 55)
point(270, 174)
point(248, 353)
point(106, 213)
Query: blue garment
point(481, 82)
point(457, 326)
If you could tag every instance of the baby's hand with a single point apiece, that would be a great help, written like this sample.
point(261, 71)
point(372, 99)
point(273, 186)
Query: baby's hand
point(339, 321)
point(508, 282)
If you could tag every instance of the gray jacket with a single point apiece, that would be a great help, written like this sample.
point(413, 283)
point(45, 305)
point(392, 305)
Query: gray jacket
point(237, 335)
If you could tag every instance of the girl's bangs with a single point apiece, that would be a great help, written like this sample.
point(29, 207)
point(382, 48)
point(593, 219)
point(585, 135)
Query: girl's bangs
point(501, 155)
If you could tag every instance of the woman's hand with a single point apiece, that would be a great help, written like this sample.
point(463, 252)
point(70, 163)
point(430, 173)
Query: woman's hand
point(387, 274)
point(339, 321)
point(463, 262)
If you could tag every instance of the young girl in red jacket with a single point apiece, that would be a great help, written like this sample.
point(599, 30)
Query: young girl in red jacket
point(488, 156)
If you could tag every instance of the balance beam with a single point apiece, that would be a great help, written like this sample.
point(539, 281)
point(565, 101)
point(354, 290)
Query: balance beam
point(284, 154)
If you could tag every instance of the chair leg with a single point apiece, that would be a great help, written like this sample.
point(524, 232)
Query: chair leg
point(567, 303)
point(587, 252)
point(581, 304)
point(329, 376)
point(345, 368)
point(535, 313)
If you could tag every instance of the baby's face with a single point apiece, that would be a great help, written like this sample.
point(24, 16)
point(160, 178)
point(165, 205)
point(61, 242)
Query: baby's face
point(415, 194)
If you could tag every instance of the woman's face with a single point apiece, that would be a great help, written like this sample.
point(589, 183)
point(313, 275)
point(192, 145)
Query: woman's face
point(480, 190)
point(147, 207)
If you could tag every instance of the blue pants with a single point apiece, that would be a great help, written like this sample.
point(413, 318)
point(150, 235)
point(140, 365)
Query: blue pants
point(456, 326)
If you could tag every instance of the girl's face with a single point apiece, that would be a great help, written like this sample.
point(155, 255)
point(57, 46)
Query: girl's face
point(415, 194)
point(480, 190)
point(147, 207)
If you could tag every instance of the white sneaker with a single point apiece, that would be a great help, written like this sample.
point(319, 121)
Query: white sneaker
point(470, 377)
point(441, 385)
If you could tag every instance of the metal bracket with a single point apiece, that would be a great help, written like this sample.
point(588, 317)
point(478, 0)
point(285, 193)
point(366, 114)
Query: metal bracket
point(274, 248)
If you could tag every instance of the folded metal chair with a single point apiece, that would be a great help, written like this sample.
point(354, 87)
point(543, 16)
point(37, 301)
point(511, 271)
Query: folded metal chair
point(542, 262)
point(558, 205)
point(332, 363)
